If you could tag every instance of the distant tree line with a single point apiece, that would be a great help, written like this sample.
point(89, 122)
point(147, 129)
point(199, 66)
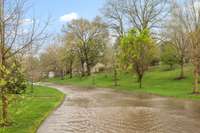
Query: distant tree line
point(131, 35)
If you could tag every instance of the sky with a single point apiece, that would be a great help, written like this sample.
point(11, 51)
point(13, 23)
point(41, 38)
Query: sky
point(63, 11)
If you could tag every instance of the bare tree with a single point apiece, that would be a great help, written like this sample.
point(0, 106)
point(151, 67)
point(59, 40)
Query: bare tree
point(146, 14)
point(189, 15)
point(114, 15)
point(177, 35)
point(15, 37)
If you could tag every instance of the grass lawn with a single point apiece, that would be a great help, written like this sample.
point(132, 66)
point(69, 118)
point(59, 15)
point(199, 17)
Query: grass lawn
point(156, 81)
point(29, 110)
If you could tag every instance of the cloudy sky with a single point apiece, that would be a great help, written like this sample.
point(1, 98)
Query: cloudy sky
point(63, 11)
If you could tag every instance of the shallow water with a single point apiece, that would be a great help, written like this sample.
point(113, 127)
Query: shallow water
point(108, 111)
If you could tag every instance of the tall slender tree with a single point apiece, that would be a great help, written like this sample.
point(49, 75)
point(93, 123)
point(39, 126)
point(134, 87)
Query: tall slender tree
point(189, 16)
point(15, 37)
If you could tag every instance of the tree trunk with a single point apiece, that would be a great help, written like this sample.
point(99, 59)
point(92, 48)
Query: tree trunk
point(87, 65)
point(140, 83)
point(88, 70)
point(2, 63)
point(70, 71)
point(140, 80)
point(82, 69)
point(4, 98)
point(196, 80)
point(115, 77)
point(32, 87)
point(182, 70)
point(4, 107)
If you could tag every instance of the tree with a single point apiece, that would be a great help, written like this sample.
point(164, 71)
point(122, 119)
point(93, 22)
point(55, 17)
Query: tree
point(121, 15)
point(31, 67)
point(177, 35)
point(12, 81)
point(141, 14)
point(137, 47)
point(68, 55)
point(51, 59)
point(168, 55)
point(195, 50)
point(15, 38)
point(189, 15)
point(89, 39)
point(70, 59)
point(146, 14)
point(16, 82)
point(113, 12)
point(114, 15)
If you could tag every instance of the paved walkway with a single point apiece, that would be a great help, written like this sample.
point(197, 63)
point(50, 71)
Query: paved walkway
point(108, 111)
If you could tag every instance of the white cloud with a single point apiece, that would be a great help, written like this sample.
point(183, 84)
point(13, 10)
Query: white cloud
point(26, 21)
point(69, 17)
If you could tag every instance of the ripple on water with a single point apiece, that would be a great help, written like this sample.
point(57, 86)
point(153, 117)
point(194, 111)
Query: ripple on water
point(105, 111)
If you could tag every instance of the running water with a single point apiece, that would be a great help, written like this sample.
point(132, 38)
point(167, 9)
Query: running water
point(109, 111)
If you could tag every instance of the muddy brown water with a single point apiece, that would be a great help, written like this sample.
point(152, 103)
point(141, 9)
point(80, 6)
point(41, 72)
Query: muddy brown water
point(109, 111)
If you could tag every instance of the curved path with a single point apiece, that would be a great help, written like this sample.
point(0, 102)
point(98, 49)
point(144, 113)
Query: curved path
point(109, 111)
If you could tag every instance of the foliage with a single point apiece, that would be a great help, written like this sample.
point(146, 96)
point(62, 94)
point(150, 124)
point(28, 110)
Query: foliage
point(50, 59)
point(138, 49)
point(13, 80)
point(17, 83)
point(168, 55)
point(32, 68)
point(67, 59)
point(89, 39)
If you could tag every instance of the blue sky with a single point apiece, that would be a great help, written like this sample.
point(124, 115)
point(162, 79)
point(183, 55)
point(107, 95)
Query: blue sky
point(67, 9)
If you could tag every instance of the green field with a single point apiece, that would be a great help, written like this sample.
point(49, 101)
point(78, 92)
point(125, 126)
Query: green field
point(156, 81)
point(29, 110)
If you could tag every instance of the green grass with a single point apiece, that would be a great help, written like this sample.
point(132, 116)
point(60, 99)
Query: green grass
point(29, 110)
point(156, 81)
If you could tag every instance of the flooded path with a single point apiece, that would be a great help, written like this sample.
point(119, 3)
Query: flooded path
point(109, 111)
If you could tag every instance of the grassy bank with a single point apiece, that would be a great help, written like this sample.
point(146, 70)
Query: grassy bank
point(156, 81)
point(29, 110)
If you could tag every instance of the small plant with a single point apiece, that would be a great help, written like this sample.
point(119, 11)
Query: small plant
point(11, 82)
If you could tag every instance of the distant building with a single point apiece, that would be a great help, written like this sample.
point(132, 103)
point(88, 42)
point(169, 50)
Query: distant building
point(51, 74)
point(99, 67)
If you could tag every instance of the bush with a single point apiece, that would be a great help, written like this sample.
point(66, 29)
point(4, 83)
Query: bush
point(169, 56)
point(13, 80)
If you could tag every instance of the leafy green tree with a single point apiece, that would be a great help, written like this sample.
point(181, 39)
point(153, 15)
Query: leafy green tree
point(31, 68)
point(12, 81)
point(16, 83)
point(168, 55)
point(13, 40)
point(89, 39)
point(51, 60)
point(138, 48)
point(67, 57)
